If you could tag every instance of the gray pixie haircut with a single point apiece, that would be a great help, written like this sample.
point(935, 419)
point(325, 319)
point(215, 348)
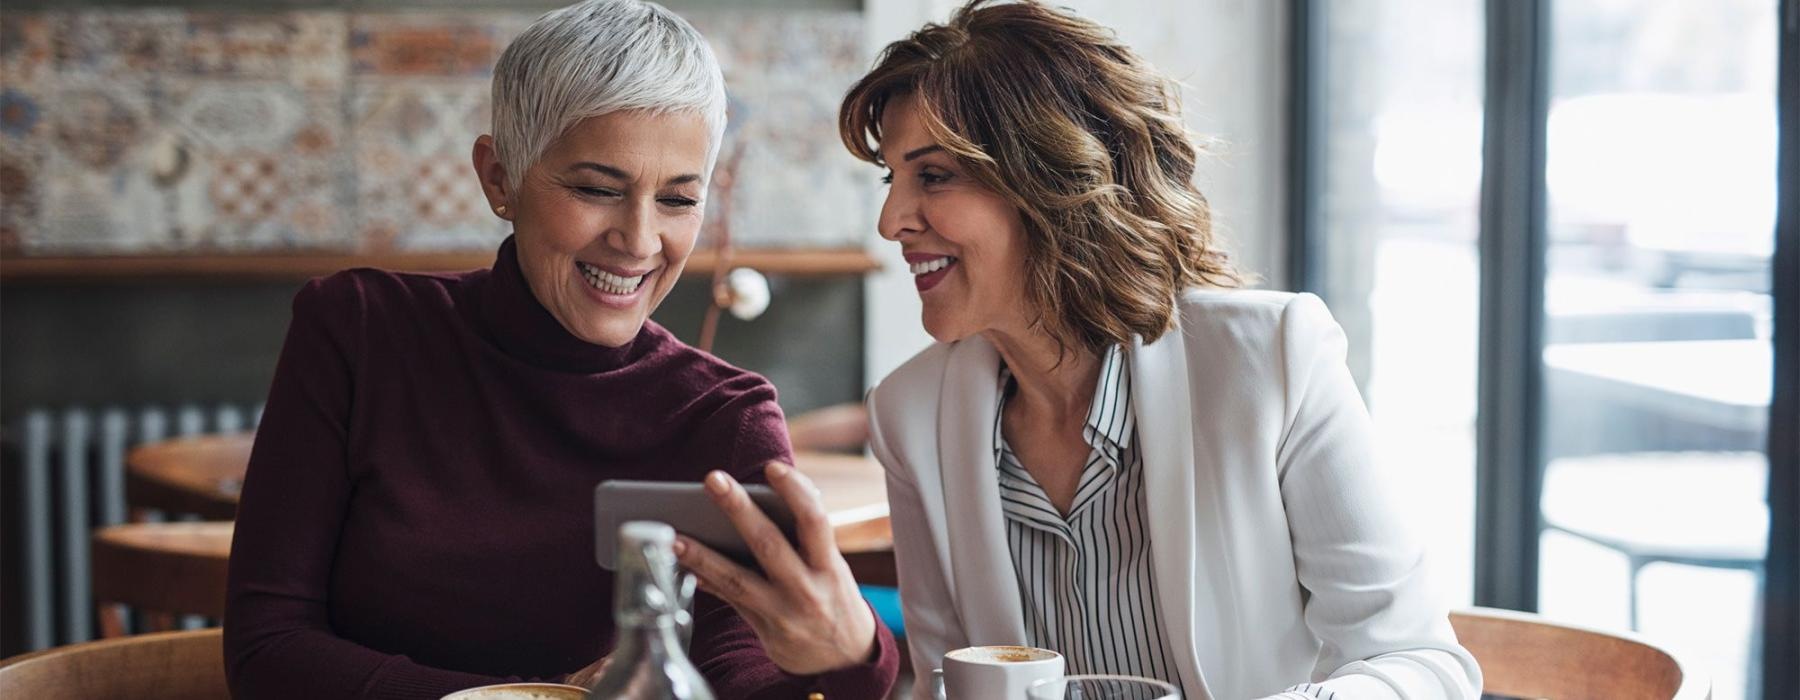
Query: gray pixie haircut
point(593, 58)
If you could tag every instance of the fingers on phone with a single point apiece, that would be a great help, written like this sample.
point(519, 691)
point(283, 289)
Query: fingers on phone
point(811, 523)
point(723, 577)
point(765, 540)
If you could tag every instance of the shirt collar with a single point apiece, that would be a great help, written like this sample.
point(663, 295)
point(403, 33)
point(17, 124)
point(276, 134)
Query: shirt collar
point(1110, 419)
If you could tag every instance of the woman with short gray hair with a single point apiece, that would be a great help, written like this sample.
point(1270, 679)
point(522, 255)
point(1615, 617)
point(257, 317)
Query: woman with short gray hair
point(417, 516)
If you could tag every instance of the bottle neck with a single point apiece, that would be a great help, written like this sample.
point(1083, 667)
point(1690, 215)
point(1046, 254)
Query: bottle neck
point(637, 603)
point(645, 592)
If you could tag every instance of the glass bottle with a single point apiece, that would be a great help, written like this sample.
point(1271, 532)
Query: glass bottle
point(649, 662)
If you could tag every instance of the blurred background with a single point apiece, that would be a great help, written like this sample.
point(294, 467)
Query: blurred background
point(1547, 226)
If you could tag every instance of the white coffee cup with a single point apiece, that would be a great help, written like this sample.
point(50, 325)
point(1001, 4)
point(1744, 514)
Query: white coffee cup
point(997, 672)
point(521, 691)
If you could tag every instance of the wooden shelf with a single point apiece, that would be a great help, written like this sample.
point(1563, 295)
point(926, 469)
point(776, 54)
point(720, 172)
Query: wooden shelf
point(810, 262)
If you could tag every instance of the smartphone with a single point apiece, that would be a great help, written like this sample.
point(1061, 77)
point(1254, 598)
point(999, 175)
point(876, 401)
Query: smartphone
point(686, 507)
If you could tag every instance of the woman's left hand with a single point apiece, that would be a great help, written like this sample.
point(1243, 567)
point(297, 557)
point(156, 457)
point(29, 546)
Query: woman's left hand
point(805, 607)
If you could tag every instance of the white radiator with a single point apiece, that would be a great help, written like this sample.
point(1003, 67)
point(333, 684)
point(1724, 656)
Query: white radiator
point(73, 480)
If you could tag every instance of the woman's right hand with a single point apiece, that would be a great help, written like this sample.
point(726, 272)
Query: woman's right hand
point(806, 611)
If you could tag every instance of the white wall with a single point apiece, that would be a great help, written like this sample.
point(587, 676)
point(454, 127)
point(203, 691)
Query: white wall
point(892, 332)
point(1231, 58)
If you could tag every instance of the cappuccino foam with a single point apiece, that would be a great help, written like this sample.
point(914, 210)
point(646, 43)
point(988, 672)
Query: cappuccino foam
point(522, 691)
point(1001, 654)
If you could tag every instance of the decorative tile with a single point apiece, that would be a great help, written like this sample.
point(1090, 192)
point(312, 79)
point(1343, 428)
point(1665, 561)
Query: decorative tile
point(22, 146)
point(20, 114)
point(26, 40)
point(221, 166)
point(806, 189)
point(21, 193)
point(160, 130)
point(410, 146)
point(98, 125)
point(420, 117)
point(803, 188)
point(265, 166)
point(94, 193)
point(762, 46)
point(407, 44)
point(119, 44)
point(305, 48)
point(227, 116)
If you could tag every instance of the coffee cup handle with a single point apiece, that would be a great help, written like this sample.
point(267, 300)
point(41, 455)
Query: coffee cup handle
point(937, 684)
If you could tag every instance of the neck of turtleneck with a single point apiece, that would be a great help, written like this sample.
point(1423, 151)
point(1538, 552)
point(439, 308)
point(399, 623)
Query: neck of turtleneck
point(524, 329)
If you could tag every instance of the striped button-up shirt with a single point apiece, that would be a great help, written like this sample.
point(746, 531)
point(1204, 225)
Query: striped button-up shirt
point(1085, 579)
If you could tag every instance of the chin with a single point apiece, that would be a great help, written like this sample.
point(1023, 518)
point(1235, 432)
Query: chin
point(943, 331)
point(612, 333)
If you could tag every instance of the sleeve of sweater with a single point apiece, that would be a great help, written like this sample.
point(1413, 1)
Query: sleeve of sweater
point(724, 646)
point(278, 637)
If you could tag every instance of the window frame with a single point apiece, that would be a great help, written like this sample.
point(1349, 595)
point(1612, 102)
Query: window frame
point(1509, 461)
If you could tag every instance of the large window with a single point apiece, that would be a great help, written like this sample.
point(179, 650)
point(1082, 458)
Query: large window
point(1648, 226)
point(1660, 169)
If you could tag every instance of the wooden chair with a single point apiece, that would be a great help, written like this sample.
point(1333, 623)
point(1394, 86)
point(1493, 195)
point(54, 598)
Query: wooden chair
point(166, 666)
point(1525, 656)
point(164, 568)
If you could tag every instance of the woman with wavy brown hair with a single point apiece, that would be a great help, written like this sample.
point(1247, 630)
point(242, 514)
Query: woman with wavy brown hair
point(1112, 451)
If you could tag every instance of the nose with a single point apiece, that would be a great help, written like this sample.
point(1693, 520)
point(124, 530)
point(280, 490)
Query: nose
point(636, 234)
point(900, 215)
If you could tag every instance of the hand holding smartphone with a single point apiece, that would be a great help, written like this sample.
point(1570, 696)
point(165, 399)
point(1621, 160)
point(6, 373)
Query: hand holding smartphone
point(684, 506)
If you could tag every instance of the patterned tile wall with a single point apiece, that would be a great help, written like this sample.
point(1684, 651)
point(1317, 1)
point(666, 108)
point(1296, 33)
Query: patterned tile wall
point(168, 131)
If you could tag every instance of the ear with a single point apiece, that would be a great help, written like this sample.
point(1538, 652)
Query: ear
point(492, 175)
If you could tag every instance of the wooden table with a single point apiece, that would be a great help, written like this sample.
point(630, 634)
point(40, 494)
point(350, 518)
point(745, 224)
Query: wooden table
point(170, 568)
point(203, 475)
point(199, 475)
point(854, 489)
point(180, 567)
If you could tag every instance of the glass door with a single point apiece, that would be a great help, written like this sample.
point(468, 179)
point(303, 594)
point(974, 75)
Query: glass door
point(1660, 170)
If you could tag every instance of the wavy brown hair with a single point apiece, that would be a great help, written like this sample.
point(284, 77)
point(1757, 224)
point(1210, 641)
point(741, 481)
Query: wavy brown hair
point(1052, 112)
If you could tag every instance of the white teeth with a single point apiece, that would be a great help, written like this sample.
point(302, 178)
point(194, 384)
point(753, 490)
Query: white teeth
point(928, 267)
point(607, 281)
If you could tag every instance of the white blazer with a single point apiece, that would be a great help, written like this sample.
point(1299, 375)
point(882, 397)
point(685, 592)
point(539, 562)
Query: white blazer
point(1278, 558)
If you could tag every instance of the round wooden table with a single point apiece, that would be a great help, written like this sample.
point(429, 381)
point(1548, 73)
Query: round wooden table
point(203, 475)
point(199, 475)
point(175, 568)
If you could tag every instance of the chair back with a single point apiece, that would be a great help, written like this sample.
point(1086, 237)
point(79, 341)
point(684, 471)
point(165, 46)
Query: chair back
point(166, 666)
point(1525, 656)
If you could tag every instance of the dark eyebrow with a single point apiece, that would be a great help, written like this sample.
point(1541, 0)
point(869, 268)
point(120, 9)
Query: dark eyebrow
point(915, 153)
point(616, 173)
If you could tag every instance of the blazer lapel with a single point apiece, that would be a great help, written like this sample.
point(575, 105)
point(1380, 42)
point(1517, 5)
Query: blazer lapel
point(1161, 400)
point(985, 585)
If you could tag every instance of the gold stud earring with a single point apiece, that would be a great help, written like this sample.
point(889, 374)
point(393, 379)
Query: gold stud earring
point(501, 210)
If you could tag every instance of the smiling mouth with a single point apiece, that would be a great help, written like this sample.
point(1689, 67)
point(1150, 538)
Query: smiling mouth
point(933, 265)
point(609, 282)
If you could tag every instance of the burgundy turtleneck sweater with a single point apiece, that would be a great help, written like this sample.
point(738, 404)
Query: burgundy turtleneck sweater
point(418, 514)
